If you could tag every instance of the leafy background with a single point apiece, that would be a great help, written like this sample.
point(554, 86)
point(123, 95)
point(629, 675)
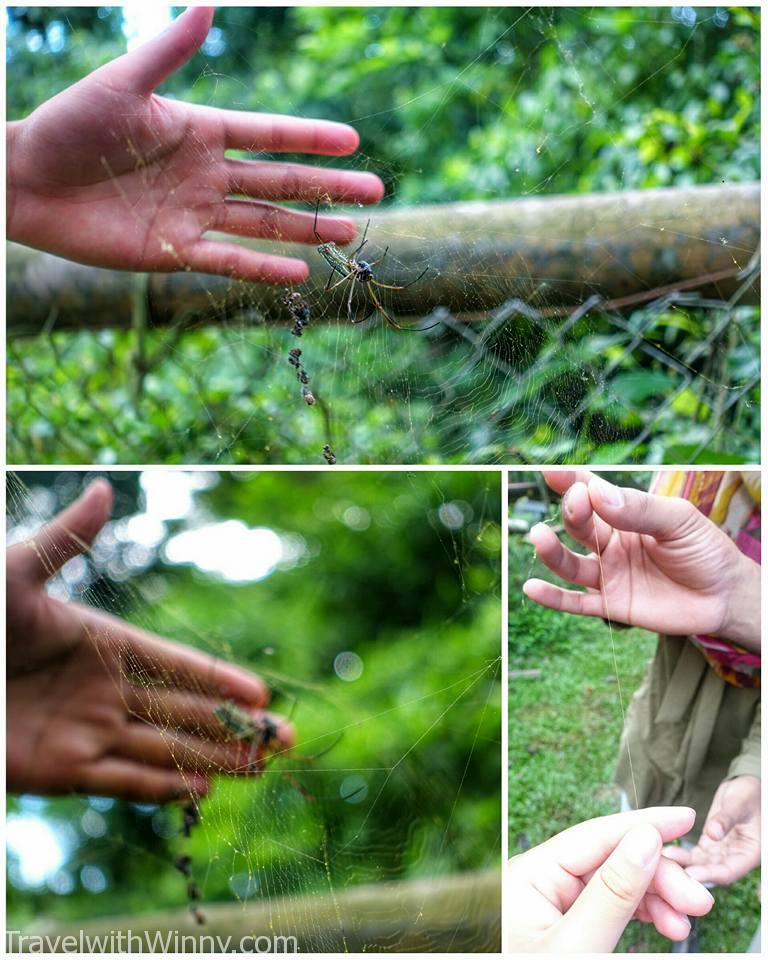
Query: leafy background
point(401, 569)
point(451, 104)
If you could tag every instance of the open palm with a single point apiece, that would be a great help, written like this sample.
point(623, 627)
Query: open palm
point(110, 174)
point(86, 708)
point(657, 562)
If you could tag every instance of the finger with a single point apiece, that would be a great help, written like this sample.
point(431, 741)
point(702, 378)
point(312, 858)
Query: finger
point(561, 480)
point(154, 658)
point(277, 133)
point(69, 534)
point(268, 180)
point(248, 218)
point(613, 895)
point(669, 922)
point(724, 872)
point(637, 512)
point(115, 777)
point(147, 66)
point(581, 521)
point(162, 748)
point(586, 845)
point(584, 571)
point(683, 894)
point(230, 260)
point(717, 826)
point(566, 601)
point(170, 709)
point(678, 855)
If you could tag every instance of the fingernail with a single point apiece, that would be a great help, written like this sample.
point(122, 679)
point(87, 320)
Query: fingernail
point(608, 492)
point(641, 845)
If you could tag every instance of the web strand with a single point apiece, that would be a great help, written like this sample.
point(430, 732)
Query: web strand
point(615, 658)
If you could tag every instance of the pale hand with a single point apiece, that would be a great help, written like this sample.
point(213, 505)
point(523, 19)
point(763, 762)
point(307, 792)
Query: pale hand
point(729, 845)
point(576, 892)
point(657, 562)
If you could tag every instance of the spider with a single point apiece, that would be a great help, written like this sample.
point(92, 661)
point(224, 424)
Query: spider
point(352, 269)
point(260, 733)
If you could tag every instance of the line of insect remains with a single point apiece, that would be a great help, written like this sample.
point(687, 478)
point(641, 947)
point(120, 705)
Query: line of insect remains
point(301, 313)
point(354, 271)
point(190, 813)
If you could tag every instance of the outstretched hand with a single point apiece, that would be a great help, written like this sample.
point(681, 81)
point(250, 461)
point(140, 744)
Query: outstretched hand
point(576, 892)
point(95, 705)
point(729, 845)
point(657, 562)
point(110, 174)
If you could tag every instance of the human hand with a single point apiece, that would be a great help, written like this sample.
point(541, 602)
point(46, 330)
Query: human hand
point(659, 563)
point(79, 717)
point(110, 174)
point(576, 892)
point(729, 845)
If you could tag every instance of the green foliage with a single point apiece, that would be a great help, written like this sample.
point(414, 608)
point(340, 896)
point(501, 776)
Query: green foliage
point(381, 575)
point(451, 104)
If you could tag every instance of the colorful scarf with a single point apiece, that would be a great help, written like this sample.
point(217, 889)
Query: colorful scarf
point(731, 499)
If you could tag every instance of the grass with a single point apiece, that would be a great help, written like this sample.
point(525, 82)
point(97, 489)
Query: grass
point(564, 730)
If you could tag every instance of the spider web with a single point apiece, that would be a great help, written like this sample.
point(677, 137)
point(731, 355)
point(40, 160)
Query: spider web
point(390, 839)
point(515, 368)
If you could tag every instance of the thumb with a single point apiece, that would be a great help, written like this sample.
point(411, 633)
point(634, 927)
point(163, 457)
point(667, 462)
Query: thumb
point(719, 825)
point(609, 901)
point(147, 66)
point(664, 518)
point(68, 534)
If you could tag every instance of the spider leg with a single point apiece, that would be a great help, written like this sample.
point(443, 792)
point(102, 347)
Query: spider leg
point(252, 764)
point(381, 309)
point(349, 302)
point(387, 317)
point(322, 753)
point(365, 240)
point(314, 227)
point(334, 271)
point(388, 286)
point(378, 260)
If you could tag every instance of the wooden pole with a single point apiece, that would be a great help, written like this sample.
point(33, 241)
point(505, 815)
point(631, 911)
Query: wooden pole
point(461, 913)
point(548, 251)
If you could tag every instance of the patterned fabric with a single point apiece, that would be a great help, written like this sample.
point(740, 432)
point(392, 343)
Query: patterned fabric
point(731, 499)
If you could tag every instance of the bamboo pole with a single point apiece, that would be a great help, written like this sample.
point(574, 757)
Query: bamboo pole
point(551, 251)
point(461, 913)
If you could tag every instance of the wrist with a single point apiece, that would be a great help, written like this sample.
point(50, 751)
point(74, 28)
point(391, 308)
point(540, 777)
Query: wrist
point(741, 623)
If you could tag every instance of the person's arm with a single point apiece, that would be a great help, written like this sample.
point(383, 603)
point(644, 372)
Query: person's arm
point(110, 174)
point(93, 704)
point(657, 562)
